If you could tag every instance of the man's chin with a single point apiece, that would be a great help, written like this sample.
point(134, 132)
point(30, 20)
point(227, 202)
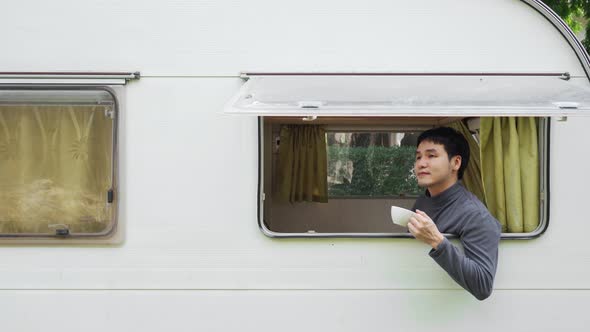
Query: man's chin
point(423, 184)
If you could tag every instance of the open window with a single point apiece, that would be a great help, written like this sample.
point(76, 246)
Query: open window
point(369, 121)
point(58, 162)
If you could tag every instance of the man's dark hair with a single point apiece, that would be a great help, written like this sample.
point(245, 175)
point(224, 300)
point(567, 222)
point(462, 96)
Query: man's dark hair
point(454, 143)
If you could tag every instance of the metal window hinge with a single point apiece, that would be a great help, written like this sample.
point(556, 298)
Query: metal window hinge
point(263, 196)
point(109, 113)
point(311, 104)
point(567, 105)
point(565, 76)
point(110, 196)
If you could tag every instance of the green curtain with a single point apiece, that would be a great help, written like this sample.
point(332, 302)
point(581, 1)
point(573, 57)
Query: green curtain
point(303, 165)
point(510, 170)
point(472, 178)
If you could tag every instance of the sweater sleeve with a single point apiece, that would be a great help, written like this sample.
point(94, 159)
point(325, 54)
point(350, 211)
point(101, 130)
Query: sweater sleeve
point(475, 268)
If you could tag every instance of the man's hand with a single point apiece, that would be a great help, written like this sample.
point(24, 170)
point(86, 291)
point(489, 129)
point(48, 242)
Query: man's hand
point(424, 229)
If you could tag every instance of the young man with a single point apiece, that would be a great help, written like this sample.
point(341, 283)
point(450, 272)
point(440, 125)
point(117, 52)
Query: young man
point(447, 207)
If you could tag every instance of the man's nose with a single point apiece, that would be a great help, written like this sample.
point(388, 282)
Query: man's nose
point(421, 163)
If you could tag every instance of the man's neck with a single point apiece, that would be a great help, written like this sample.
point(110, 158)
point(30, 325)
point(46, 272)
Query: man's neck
point(441, 187)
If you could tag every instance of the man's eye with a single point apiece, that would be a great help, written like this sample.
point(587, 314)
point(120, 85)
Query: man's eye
point(431, 156)
point(417, 158)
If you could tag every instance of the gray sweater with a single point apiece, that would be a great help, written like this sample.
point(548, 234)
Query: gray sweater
point(457, 211)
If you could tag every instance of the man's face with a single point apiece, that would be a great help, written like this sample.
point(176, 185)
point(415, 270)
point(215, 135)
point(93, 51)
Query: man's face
point(433, 167)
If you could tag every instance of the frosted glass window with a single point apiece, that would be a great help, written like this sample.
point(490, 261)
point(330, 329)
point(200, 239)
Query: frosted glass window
point(56, 163)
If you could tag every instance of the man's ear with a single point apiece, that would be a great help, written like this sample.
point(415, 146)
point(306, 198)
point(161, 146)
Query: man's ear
point(456, 163)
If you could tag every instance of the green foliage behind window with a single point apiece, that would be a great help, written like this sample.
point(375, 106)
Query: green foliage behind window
point(371, 171)
point(575, 13)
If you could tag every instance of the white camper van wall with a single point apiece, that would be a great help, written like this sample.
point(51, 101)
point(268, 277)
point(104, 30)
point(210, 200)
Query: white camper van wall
point(199, 239)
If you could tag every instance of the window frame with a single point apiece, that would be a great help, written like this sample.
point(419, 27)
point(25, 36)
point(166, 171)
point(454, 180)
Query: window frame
point(544, 142)
point(113, 234)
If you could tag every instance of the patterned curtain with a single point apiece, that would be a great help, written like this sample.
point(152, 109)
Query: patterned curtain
point(55, 168)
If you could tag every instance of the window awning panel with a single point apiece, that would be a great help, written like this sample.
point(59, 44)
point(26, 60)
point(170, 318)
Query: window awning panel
point(411, 95)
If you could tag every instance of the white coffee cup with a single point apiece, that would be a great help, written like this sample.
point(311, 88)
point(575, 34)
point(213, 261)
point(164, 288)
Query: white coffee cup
point(401, 216)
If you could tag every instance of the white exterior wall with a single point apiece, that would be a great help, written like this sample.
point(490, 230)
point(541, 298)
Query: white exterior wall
point(222, 38)
point(194, 258)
